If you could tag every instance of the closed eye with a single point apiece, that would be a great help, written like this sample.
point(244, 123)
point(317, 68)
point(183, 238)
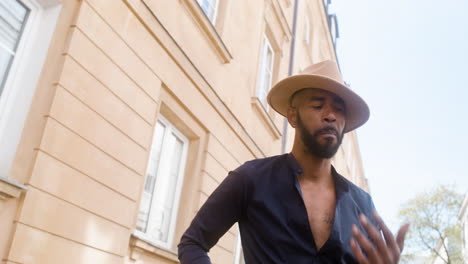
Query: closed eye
point(317, 106)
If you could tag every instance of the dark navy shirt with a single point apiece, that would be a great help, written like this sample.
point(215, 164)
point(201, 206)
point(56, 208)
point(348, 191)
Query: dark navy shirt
point(264, 197)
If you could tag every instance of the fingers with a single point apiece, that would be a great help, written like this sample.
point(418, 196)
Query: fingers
point(383, 251)
point(400, 239)
point(358, 252)
point(389, 238)
point(366, 245)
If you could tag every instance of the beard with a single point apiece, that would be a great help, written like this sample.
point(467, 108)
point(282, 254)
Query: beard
point(313, 146)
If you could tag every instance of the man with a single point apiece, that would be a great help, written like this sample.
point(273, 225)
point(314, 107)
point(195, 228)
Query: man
point(295, 208)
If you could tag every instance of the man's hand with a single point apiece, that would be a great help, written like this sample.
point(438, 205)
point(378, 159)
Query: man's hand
point(381, 251)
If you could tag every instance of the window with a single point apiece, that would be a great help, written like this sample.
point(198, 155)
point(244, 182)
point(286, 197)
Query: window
point(266, 71)
point(26, 29)
point(210, 7)
point(13, 17)
point(239, 257)
point(307, 30)
point(159, 202)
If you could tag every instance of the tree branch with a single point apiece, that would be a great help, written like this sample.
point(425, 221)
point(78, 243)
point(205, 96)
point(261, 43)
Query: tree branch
point(431, 248)
point(442, 238)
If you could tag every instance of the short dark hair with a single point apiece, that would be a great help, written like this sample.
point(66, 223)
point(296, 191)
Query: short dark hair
point(291, 98)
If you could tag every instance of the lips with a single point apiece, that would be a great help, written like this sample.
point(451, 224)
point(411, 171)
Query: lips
point(328, 131)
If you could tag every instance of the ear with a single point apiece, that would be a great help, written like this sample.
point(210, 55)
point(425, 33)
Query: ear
point(292, 118)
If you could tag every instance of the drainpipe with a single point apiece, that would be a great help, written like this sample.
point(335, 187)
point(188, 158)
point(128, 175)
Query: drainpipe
point(290, 72)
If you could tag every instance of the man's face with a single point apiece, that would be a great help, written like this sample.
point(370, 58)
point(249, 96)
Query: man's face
point(319, 119)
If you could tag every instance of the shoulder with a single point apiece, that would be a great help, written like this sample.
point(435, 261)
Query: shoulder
point(257, 166)
point(356, 190)
point(362, 198)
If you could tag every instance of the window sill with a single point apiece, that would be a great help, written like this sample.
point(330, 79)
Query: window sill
point(10, 189)
point(257, 105)
point(140, 245)
point(209, 30)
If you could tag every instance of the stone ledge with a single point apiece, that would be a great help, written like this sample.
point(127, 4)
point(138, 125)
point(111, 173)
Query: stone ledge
point(141, 246)
point(10, 189)
point(260, 109)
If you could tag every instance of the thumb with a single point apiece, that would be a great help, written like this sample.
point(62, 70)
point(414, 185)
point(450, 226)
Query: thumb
point(400, 239)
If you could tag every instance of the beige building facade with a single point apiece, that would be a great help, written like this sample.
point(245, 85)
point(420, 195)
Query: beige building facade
point(118, 118)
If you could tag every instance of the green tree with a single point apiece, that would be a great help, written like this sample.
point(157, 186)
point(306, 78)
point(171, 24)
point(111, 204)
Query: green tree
point(434, 224)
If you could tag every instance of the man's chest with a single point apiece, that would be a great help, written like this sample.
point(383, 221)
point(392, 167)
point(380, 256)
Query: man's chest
point(320, 205)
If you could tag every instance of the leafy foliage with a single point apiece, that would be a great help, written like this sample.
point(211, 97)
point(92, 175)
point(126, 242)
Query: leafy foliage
point(433, 218)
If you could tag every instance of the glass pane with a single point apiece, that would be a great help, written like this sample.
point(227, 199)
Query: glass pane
point(269, 60)
point(155, 156)
point(209, 8)
point(145, 204)
point(265, 72)
point(13, 16)
point(268, 83)
point(166, 188)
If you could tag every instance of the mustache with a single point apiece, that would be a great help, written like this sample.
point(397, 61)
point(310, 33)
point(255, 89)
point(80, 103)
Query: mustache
point(327, 130)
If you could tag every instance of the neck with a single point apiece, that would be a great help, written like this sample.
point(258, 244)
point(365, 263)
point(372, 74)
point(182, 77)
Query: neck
point(314, 168)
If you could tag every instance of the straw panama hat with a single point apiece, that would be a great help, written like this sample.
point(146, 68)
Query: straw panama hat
point(324, 75)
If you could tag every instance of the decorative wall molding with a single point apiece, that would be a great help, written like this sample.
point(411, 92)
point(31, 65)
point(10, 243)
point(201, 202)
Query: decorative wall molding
point(279, 14)
point(257, 105)
point(10, 189)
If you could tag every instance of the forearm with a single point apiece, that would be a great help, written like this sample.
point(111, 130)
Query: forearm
point(190, 252)
point(221, 210)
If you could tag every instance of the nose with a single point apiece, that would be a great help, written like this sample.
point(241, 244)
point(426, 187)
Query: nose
point(329, 115)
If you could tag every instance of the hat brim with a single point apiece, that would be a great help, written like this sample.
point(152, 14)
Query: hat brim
point(357, 111)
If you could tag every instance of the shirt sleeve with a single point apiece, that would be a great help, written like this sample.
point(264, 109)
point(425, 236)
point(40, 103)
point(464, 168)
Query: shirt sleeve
point(222, 209)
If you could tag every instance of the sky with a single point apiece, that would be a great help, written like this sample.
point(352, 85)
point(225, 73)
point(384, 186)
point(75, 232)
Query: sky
point(409, 61)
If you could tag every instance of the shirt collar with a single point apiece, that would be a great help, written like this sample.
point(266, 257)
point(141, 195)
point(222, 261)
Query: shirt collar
point(341, 185)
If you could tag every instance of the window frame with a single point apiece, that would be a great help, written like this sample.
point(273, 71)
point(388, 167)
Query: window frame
point(14, 52)
point(24, 72)
point(263, 72)
point(215, 11)
point(170, 128)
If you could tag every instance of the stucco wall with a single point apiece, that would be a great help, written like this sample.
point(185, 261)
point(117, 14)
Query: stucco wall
point(112, 69)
